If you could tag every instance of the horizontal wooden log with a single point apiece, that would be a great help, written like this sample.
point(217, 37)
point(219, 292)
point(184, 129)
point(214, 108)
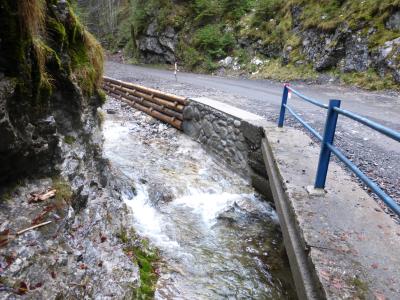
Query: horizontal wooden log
point(162, 95)
point(160, 108)
point(171, 105)
point(160, 116)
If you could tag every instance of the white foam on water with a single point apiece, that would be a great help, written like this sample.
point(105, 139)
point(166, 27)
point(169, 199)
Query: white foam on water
point(148, 221)
point(208, 205)
point(114, 131)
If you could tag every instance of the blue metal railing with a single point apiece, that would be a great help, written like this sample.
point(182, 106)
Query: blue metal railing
point(327, 141)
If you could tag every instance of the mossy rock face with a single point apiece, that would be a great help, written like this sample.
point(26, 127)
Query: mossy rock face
point(57, 66)
point(147, 259)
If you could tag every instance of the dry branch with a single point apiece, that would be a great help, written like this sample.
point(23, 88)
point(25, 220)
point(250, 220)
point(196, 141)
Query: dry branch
point(33, 227)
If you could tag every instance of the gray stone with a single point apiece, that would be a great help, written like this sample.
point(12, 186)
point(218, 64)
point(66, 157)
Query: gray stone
point(227, 62)
point(387, 59)
point(324, 50)
point(233, 137)
point(111, 111)
point(261, 184)
point(192, 129)
point(258, 168)
point(203, 139)
point(158, 47)
point(230, 144)
point(222, 123)
point(237, 123)
point(252, 133)
point(393, 23)
point(207, 127)
point(189, 112)
point(223, 132)
point(357, 54)
point(241, 146)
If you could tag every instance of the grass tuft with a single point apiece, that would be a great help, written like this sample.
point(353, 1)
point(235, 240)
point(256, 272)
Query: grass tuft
point(32, 14)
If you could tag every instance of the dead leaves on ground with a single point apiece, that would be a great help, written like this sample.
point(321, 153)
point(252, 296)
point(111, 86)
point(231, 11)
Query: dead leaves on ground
point(40, 218)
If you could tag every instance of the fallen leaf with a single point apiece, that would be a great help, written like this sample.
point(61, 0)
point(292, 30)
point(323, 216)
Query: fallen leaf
point(103, 238)
point(338, 285)
point(39, 219)
point(324, 274)
point(23, 288)
point(36, 286)
point(379, 296)
point(10, 259)
point(4, 237)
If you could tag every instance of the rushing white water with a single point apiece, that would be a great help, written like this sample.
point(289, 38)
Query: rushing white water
point(218, 239)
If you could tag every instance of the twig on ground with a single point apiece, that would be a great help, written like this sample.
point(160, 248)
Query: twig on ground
point(33, 227)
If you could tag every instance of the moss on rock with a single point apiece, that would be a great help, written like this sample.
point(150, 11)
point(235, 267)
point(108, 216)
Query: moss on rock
point(147, 259)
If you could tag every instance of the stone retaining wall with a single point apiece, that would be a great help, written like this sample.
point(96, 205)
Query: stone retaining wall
point(232, 134)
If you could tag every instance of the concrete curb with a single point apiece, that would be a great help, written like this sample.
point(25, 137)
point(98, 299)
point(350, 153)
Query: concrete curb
point(306, 285)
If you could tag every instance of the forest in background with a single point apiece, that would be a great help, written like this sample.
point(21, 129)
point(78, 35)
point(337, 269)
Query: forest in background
point(352, 41)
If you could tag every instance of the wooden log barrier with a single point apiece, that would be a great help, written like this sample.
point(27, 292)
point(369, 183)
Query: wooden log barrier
point(167, 109)
point(172, 105)
point(148, 91)
point(144, 102)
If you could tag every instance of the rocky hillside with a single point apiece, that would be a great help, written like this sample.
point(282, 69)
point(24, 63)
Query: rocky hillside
point(357, 42)
point(52, 174)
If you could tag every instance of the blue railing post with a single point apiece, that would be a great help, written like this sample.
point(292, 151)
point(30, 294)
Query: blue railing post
point(329, 136)
point(283, 108)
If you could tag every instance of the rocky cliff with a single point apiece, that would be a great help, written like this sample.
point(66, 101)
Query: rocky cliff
point(353, 41)
point(51, 166)
point(51, 69)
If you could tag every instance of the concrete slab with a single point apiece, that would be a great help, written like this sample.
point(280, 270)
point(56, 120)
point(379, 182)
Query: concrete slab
point(341, 245)
point(228, 109)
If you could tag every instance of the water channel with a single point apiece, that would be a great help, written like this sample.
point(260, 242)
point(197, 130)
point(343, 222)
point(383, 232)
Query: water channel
point(218, 238)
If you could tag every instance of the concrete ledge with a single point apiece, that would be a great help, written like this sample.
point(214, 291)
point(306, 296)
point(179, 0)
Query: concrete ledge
point(341, 245)
point(303, 273)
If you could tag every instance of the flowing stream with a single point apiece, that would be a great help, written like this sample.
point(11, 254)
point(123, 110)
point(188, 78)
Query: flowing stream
point(218, 238)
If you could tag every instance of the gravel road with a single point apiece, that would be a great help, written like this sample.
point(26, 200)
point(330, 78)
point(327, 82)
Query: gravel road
point(375, 154)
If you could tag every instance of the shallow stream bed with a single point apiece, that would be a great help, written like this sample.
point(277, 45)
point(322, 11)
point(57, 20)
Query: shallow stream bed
point(217, 237)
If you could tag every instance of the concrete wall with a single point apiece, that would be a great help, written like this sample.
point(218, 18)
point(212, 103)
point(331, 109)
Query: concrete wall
point(232, 134)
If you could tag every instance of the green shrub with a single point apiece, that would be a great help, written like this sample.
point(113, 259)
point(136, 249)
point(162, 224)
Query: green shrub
point(369, 79)
point(264, 10)
point(235, 9)
point(207, 9)
point(213, 41)
point(191, 57)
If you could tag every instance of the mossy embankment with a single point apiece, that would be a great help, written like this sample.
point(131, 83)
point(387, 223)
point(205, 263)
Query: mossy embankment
point(52, 66)
point(284, 40)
